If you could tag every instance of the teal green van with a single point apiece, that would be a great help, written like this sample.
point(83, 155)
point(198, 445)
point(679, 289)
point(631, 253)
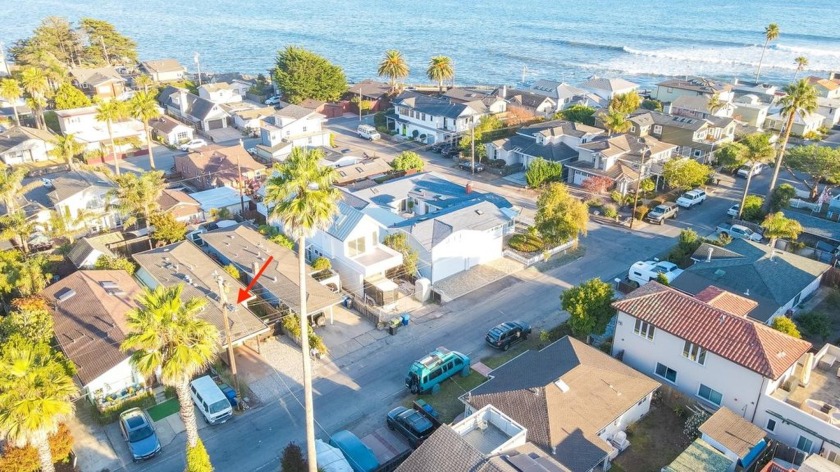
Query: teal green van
point(425, 375)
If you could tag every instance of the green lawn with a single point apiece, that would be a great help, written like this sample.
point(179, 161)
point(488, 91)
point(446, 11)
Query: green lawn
point(446, 400)
point(169, 407)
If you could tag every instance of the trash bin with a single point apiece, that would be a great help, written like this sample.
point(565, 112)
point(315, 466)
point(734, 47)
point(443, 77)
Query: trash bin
point(348, 302)
point(405, 319)
point(392, 330)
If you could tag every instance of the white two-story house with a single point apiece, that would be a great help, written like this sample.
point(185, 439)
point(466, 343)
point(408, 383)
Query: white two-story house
point(670, 90)
point(22, 145)
point(619, 159)
point(202, 113)
point(84, 200)
point(452, 227)
point(223, 92)
point(430, 119)
point(93, 134)
point(705, 348)
point(555, 141)
point(293, 126)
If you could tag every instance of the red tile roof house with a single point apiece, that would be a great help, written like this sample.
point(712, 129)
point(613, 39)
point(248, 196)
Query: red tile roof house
point(722, 358)
point(89, 309)
point(217, 166)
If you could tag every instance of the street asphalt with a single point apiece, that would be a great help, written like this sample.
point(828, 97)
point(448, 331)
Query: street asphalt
point(371, 382)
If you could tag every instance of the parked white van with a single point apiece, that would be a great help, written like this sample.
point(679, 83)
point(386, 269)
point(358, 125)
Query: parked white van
point(210, 400)
point(368, 132)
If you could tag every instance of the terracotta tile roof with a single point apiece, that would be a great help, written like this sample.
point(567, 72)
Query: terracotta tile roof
point(91, 323)
point(750, 344)
point(726, 301)
point(732, 432)
point(826, 83)
point(564, 395)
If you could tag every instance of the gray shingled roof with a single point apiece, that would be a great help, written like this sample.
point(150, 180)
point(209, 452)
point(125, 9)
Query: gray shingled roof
point(816, 226)
point(85, 246)
point(91, 324)
point(431, 105)
point(17, 135)
point(184, 263)
point(446, 450)
point(599, 389)
point(294, 111)
point(244, 245)
point(476, 216)
point(779, 279)
point(70, 183)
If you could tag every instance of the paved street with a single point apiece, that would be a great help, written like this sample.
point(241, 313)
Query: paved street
point(370, 381)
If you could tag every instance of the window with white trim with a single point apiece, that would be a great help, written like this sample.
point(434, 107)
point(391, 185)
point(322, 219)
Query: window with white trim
point(710, 395)
point(694, 352)
point(657, 129)
point(356, 246)
point(644, 329)
point(666, 372)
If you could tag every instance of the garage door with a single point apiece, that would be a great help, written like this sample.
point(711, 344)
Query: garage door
point(216, 124)
point(580, 177)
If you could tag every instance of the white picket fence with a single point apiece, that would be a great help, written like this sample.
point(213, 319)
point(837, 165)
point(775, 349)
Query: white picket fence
point(541, 256)
point(797, 203)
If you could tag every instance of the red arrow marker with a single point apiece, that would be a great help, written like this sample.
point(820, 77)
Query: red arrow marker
point(244, 294)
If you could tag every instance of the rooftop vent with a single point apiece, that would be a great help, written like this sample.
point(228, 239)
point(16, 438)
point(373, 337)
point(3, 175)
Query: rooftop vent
point(561, 385)
point(720, 273)
point(109, 285)
point(65, 294)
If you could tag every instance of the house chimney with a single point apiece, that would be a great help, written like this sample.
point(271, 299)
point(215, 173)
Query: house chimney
point(255, 267)
point(182, 101)
point(504, 91)
point(709, 256)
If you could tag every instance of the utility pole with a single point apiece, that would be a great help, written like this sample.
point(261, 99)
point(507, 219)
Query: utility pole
point(198, 65)
point(472, 146)
point(638, 184)
point(104, 50)
point(241, 186)
point(360, 103)
point(231, 358)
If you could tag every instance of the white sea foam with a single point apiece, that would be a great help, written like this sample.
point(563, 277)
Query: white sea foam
point(721, 61)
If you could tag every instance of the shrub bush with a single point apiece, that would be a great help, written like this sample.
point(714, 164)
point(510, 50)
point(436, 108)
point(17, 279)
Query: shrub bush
point(321, 263)
point(815, 324)
point(641, 211)
point(111, 413)
point(617, 197)
point(610, 210)
point(526, 243)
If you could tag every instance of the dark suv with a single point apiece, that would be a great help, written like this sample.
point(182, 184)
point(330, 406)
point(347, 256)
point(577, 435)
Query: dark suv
point(506, 334)
point(467, 165)
point(412, 424)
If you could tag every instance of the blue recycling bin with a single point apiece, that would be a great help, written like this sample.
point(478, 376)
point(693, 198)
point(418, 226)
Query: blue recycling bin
point(405, 319)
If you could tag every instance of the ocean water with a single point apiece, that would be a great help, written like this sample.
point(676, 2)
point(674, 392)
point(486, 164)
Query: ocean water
point(490, 41)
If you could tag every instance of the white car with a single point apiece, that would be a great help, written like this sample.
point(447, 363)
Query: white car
point(691, 198)
point(643, 272)
point(744, 170)
point(733, 210)
point(193, 144)
point(275, 100)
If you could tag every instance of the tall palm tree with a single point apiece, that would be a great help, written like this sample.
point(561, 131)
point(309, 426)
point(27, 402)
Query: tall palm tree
point(36, 390)
point(304, 200)
point(66, 149)
point(168, 339)
point(15, 225)
point(715, 103)
point(800, 99)
point(137, 196)
point(10, 90)
point(616, 122)
point(777, 226)
point(36, 85)
point(11, 183)
point(771, 32)
point(32, 276)
point(440, 69)
point(801, 64)
point(143, 107)
point(394, 67)
point(755, 148)
point(112, 112)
